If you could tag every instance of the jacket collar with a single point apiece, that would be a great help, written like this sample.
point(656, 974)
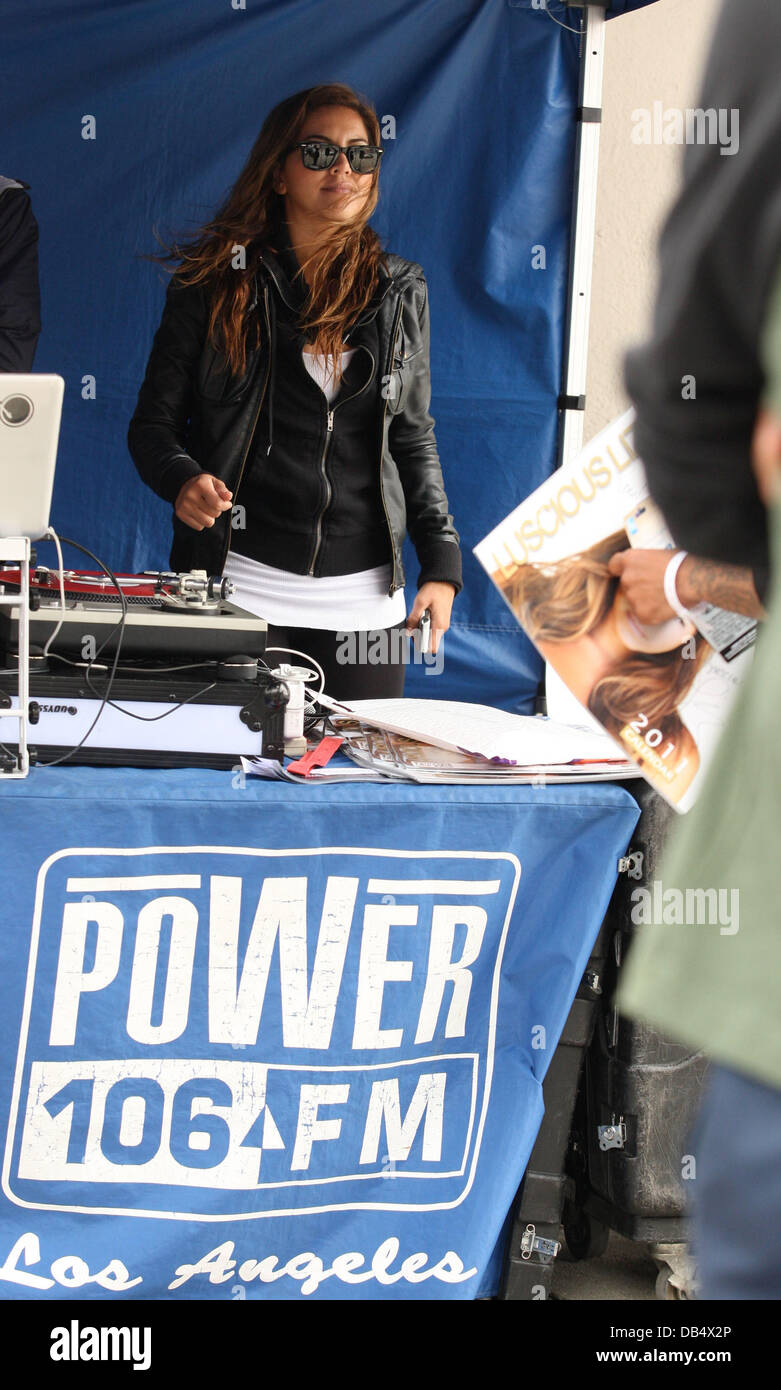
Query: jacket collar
point(283, 267)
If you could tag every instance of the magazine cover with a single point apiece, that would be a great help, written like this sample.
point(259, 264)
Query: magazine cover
point(663, 691)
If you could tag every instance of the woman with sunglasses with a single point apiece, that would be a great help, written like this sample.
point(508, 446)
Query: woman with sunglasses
point(284, 411)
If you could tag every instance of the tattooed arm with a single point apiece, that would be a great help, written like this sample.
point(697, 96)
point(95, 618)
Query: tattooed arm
point(727, 586)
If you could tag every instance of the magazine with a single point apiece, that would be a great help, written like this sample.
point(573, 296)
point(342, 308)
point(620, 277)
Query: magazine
point(415, 761)
point(661, 691)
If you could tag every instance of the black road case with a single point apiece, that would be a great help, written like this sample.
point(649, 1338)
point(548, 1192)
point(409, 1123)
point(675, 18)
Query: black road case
point(205, 718)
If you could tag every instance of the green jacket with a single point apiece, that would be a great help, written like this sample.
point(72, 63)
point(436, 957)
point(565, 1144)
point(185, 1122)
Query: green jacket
point(710, 974)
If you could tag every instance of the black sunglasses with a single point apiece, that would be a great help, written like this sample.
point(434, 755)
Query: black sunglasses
point(363, 159)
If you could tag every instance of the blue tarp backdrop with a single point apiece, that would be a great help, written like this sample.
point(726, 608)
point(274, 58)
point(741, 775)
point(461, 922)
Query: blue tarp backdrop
point(255, 1042)
point(479, 171)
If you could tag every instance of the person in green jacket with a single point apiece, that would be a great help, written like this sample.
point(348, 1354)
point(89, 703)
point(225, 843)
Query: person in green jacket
point(706, 969)
point(709, 972)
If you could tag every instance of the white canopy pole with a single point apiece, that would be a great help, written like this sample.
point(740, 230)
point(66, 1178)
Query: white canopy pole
point(559, 703)
point(572, 402)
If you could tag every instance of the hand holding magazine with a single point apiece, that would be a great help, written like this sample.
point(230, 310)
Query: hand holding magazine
point(662, 691)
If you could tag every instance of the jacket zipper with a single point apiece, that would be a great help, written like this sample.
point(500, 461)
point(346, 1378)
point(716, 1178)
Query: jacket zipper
point(254, 424)
point(328, 489)
point(328, 493)
point(389, 363)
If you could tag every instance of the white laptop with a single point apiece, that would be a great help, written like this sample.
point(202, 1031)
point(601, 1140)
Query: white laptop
point(30, 410)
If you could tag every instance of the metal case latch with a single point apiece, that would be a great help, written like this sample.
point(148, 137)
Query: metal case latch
point(631, 864)
point(612, 1136)
point(532, 1244)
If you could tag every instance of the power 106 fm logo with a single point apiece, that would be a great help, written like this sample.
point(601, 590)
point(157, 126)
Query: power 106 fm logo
point(219, 1034)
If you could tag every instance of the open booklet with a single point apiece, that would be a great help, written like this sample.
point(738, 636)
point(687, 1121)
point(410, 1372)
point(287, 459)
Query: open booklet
point(661, 691)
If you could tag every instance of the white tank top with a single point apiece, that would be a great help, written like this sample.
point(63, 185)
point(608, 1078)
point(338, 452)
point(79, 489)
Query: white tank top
point(320, 368)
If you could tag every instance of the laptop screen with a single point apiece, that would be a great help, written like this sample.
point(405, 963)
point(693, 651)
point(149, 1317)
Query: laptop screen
point(30, 410)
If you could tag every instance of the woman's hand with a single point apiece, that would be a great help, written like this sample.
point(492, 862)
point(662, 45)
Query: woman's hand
point(438, 598)
point(201, 501)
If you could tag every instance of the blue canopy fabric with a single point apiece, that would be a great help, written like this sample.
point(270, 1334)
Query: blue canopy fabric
point(126, 118)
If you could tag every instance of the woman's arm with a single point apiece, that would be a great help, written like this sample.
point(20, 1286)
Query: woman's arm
point(414, 449)
point(157, 432)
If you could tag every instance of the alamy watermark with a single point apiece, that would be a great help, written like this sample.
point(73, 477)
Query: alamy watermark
point(76, 1343)
point(687, 907)
point(389, 646)
point(672, 125)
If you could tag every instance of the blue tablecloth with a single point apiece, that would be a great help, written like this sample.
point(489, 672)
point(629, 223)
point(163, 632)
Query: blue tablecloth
point(282, 1042)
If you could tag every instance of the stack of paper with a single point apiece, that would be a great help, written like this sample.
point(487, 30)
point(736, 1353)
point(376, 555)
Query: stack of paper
point(452, 741)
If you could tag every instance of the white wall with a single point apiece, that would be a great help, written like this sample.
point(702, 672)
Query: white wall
point(655, 54)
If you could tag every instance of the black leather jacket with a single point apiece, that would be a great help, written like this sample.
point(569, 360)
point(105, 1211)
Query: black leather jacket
point(193, 415)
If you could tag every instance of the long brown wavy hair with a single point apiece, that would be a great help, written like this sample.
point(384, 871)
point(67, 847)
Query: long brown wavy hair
point(562, 601)
point(344, 277)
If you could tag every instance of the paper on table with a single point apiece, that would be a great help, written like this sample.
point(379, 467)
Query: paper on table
point(273, 770)
point(492, 733)
point(415, 761)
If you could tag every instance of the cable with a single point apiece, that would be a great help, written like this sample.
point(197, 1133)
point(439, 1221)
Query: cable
point(311, 715)
point(164, 670)
point(51, 535)
point(311, 712)
point(136, 670)
point(291, 651)
point(54, 762)
point(150, 718)
point(568, 27)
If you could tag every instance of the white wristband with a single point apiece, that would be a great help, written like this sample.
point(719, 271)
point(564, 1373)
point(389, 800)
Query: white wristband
point(670, 591)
